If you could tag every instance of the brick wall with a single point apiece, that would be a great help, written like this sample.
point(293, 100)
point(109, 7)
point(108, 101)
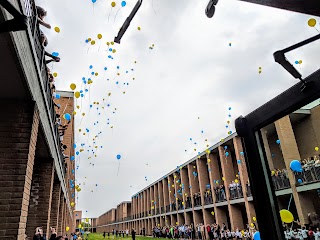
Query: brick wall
point(55, 204)
point(18, 137)
point(41, 193)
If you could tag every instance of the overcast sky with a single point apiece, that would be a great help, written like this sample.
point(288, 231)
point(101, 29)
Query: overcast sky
point(183, 86)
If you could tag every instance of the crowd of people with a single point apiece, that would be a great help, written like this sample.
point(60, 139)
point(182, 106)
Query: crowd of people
point(40, 235)
point(235, 189)
point(203, 232)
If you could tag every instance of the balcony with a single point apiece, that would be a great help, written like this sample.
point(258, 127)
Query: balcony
point(280, 181)
point(168, 209)
point(197, 200)
point(208, 199)
point(220, 194)
point(236, 193)
point(310, 174)
point(161, 210)
point(188, 203)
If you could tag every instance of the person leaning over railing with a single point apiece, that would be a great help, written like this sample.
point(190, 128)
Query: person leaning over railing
point(41, 14)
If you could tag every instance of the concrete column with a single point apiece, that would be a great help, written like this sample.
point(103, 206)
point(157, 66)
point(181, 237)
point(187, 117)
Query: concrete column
point(151, 200)
point(165, 193)
point(193, 184)
point(244, 177)
point(156, 199)
point(41, 196)
point(18, 138)
point(185, 184)
point(55, 204)
point(203, 177)
point(214, 174)
point(171, 190)
point(227, 169)
point(290, 152)
point(61, 211)
point(267, 148)
point(161, 196)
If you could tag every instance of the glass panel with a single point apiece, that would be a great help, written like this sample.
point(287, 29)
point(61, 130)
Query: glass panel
point(292, 146)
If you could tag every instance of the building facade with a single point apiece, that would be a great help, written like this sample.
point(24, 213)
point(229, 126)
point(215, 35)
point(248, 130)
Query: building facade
point(35, 172)
point(214, 187)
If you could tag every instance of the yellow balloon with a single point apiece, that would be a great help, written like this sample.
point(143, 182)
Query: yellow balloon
point(254, 219)
point(114, 51)
point(108, 43)
point(99, 36)
point(57, 29)
point(209, 160)
point(90, 81)
point(236, 181)
point(79, 226)
point(207, 151)
point(89, 39)
point(67, 229)
point(113, 4)
point(79, 129)
point(87, 219)
point(139, 28)
point(109, 94)
point(55, 74)
point(223, 178)
point(212, 213)
point(286, 216)
point(93, 42)
point(77, 94)
point(83, 114)
point(74, 112)
point(251, 224)
point(72, 204)
point(316, 148)
point(312, 22)
point(96, 74)
point(273, 173)
point(78, 106)
point(112, 43)
point(300, 61)
point(73, 86)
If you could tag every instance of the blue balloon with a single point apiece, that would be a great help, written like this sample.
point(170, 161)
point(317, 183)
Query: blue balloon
point(238, 161)
point(225, 147)
point(74, 145)
point(241, 153)
point(300, 180)
point(77, 153)
point(82, 95)
point(92, 73)
point(123, 3)
point(118, 67)
point(296, 62)
point(90, 66)
point(118, 156)
point(93, 1)
point(278, 141)
point(81, 91)
point(55, 54)
point(57, 96)
point(87, 40)
point(295, 166)
point(256, 236)
point(72, 171)
point(72, 158)
point(67, 116)
point(227, 154)
point(105, 68)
